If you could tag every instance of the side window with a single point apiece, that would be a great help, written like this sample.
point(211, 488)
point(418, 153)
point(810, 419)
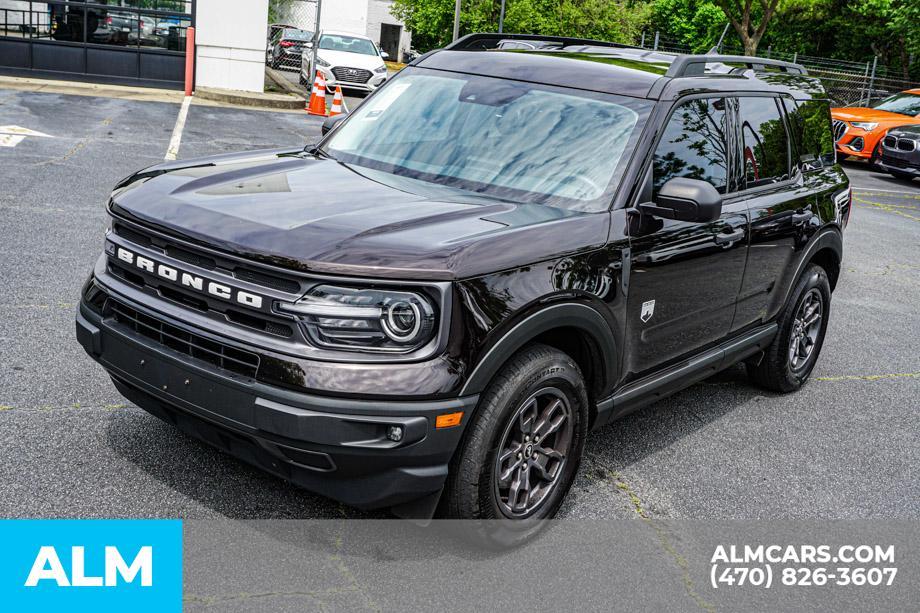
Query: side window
point(693, 145)
point(764, 141)
point(810, 121)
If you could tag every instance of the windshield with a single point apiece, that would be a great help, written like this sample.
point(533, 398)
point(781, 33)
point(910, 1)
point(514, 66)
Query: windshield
point(505, 139)
point(350, 44)
point(906, 104)
point(297, 34)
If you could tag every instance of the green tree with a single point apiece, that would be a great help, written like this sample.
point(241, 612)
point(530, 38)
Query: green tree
point(694, 23)
point(431, 21)
point(749, 20)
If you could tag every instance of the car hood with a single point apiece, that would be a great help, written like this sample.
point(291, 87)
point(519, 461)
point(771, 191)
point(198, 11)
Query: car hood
point(866, 114)
point(352, 60)
point(294, 210)
point(906, 131)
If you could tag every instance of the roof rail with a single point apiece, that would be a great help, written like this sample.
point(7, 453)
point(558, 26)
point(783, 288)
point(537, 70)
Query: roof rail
point(489, 40)
point(695, 65)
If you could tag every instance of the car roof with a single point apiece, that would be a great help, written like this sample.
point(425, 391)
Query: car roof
point(620, 69)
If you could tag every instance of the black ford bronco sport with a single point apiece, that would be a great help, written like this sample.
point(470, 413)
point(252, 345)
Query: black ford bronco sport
point(496, 252)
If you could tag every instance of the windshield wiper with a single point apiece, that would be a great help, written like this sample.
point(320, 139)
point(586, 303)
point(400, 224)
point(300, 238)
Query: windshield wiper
point(320, 153)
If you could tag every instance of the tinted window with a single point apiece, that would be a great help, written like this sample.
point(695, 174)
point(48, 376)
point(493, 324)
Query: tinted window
point(693, 145)
point(810, 121)
point(764, 141)
point(298, 35)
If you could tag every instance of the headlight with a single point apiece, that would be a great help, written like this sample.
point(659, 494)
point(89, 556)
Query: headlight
point(868, 126)
point(376, 320)
point(321, 62)
point(380, 70)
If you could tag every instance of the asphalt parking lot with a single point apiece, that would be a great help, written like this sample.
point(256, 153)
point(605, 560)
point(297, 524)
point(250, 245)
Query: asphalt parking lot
point(843, 447)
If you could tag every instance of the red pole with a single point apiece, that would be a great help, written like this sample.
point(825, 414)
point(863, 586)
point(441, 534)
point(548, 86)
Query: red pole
point(189, 60)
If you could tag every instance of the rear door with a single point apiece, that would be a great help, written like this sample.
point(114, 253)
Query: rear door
point(685, 277)
point(781, 200)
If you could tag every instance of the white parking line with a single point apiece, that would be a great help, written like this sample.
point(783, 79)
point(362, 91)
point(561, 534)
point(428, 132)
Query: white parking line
point(176, 139)
point(10, 136)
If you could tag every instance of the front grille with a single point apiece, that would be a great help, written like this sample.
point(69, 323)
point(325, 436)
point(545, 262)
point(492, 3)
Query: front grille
point(891, 142)
point(207, 261)
point(352, 75)
point(128, 234)
point(201, 261)
point(217, 354)
point(285, 285)
point(906, 144)
point(840, 128)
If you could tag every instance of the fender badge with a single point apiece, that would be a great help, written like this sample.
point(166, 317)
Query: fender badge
point(648, 309)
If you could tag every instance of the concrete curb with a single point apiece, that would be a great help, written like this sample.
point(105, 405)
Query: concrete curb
point(81, 88)
point(284, 83)
point(269, 101)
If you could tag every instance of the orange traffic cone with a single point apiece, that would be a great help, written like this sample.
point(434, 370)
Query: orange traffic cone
point(317, 104)
point(338, 103)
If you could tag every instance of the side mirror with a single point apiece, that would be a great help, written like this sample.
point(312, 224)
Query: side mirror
point(308, 45)
point(330, 122)
point(385, 55)
point(686, 199)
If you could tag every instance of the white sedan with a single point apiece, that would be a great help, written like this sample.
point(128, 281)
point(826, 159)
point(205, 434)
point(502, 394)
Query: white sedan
point(349, 60)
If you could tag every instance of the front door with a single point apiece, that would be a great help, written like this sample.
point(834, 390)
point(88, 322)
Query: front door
point(685, 277)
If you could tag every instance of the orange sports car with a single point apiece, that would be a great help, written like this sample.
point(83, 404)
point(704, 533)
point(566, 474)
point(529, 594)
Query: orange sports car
point(858, 131)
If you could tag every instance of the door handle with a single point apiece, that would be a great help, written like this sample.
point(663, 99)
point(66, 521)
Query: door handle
point(723, 238)
point(800, 218)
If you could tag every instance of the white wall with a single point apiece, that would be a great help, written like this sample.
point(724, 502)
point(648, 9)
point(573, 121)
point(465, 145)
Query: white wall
point(345, 15)
point(230, 39)
point(378, 13)
point(362, 17)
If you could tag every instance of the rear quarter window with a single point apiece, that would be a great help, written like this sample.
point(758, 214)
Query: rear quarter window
point(812, 136)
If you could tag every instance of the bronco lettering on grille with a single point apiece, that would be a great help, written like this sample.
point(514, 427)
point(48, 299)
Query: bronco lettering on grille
point(185, 279)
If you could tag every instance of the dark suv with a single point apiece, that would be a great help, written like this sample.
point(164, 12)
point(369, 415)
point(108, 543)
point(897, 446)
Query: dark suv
point(512, 248)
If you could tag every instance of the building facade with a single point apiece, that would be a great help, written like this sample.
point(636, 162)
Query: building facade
point(372, 18)
point(143, 42)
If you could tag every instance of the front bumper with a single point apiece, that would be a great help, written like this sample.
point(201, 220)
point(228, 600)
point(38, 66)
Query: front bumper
point(901, 162)
point(376, 80)
point(333, 446)
point(855, 142)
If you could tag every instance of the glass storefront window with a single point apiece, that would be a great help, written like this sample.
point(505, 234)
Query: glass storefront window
point(126, 23)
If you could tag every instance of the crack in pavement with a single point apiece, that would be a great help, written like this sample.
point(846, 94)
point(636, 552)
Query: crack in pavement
point(661, 531)
point(314, 595)
point(894, 375)
point(75, 149)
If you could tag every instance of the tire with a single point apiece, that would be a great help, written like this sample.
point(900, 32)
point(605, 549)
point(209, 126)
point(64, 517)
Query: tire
point(540, 387)
point(901, 175)
point(783, 369)
point(874, 158)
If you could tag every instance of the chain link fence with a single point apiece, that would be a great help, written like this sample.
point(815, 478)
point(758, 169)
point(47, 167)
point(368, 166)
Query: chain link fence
point(847, 83)
point(291, 24)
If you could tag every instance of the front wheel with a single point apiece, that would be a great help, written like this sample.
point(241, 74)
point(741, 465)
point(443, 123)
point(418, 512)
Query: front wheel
point(904, 176)
point(788, 361)
point(875, 157)
point(523, 446)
